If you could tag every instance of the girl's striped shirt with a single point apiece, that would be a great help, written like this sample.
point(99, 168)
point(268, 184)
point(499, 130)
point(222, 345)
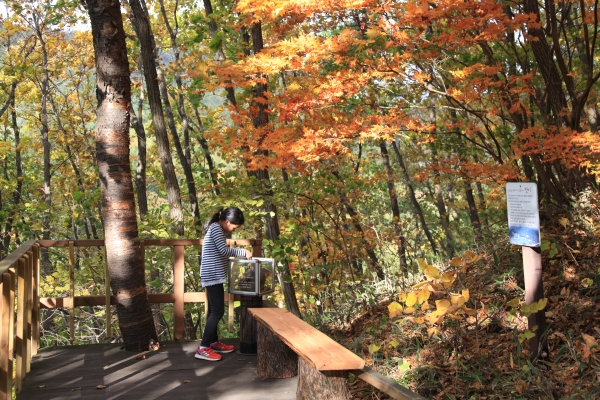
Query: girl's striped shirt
point(215, 256)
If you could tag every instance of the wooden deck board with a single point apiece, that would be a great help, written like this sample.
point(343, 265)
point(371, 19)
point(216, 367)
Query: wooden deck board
point(74, 372)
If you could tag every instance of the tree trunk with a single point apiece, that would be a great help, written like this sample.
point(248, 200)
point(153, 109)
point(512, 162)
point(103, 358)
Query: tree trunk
point(141, 25)
point(140, 171)
point(401, 240)
point(113, 91)
point(16, 197)
point(270, 221)
point(439, 197)
point(413, 197)
point(183, 153)
point(274, 358)
point(473, 214)
point(321, 385)
point(46, 265)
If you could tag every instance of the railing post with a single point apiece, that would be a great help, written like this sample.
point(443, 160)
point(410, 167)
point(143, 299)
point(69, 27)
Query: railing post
point(72, 290)
point(21, 312)
point(35, 312)
point(6, 365)
point(178, 288)
point(28, 308)
point(107, 294)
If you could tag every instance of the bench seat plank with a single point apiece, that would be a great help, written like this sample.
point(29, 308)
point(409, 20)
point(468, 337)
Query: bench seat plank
point(318, 349)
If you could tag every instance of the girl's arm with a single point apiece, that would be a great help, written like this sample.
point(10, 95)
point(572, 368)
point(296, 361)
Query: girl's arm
point(221, 244)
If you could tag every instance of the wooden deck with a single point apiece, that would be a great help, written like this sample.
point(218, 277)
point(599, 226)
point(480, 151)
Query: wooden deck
point(73, 372)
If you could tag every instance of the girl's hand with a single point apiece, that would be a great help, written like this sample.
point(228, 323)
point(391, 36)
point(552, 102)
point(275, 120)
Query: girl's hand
point(248, 255)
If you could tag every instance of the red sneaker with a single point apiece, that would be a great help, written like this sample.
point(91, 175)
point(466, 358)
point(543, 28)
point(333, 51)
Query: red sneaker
point(221, 347)
point(206, 353)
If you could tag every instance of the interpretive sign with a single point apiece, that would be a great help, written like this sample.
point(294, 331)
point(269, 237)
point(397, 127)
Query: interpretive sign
point(523, 213)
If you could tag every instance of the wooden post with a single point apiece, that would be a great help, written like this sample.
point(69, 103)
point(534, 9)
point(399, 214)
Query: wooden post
point(321, 385)
point(107, 293)
point(178, 288)
point(248, 342)
point(248, 336)
point(6, 365)
point(35, 312)
point(28, 309)
point(21, 311)
point(534, 291)
point(11, 324)
point(274, 358)
point(231, 301)
point(72, 291)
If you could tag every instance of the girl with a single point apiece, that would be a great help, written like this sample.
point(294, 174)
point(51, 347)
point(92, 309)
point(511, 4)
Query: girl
point(213, 268)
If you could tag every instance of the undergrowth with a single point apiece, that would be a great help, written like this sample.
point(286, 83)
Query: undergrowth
point(482, 350)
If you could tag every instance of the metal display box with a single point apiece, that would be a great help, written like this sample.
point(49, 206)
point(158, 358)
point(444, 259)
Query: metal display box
point(251, 277)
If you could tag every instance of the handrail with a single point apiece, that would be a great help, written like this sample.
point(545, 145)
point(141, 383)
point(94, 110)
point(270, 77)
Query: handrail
point(19, 283)
point(19, 332)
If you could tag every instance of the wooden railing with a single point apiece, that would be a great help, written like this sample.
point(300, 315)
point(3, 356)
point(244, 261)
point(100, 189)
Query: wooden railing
point(19, 283)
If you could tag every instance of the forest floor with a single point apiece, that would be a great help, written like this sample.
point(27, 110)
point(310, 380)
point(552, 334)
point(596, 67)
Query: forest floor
point(486, 358)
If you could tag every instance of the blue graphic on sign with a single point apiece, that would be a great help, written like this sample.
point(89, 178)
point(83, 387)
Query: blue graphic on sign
point(524, 236)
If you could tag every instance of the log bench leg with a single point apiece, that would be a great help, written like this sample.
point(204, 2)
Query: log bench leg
point(274, 359)
point(321, 385)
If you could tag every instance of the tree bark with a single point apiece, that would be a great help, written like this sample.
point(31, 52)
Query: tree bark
point(401, 240)
point(270, 220)
point(274, 358)
point(413, 197)
point(113, 91)
point(17, 194)
point(141, 25)
point(140, 171)
point(321, 385)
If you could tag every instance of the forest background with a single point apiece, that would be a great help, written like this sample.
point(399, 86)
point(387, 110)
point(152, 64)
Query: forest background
point(369, 144)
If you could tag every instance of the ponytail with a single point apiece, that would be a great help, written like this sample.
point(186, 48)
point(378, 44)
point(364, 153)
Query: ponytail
point(232, 214)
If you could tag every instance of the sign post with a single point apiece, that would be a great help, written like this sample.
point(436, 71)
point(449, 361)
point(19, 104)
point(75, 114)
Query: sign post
point(524, 230)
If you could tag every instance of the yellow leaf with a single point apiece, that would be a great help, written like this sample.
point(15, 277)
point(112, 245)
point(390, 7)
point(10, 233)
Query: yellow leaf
point(435, 318)
point(589, 340)
point(465, 294)
point(457, 299)
point(542, 303)
point(433, 331)
point(448, 279)
point(425, 306)
point(409, 310)
point(514, 302)
point(422, 264)
point(456, 262)
point(469, 255)
point(420, 285)
point(419, 320)
point(394, 309)
point(469, 311)
point(402, 296)
point(564, 222)
point(455, 317)
point(393, 344)
point(373, 348)
point(423, 295)
point(431, 272)
point(442, 304)
point(411, 299)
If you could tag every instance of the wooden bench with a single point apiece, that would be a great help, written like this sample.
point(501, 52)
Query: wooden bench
point(323, 365)
point(288, 346)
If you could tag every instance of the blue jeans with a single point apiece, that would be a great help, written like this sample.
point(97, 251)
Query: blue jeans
point(216, 309)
